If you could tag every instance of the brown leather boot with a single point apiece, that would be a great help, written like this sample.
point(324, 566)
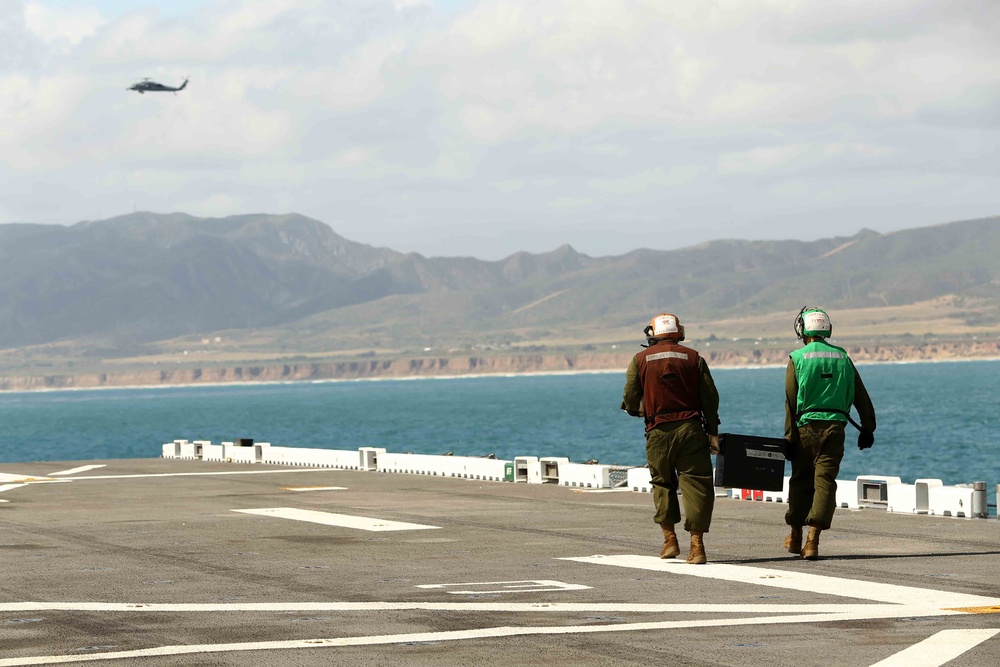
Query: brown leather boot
point(810, 550)
point(697, 554)
point(670, 548)
point(793, 543)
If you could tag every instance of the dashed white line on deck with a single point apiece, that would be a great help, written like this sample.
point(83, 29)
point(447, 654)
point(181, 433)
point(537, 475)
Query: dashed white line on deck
point(73, 471)
point(339, 520)
point(938, 649)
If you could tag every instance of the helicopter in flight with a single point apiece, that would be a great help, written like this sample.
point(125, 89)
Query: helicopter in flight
point(147, 86)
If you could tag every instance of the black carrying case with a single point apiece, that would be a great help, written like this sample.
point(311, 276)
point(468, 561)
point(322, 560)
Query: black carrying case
point(750, 462)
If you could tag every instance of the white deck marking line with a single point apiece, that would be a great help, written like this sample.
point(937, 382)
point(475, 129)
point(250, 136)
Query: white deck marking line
point(524, 586)
point(22, 479)
point(480, 633)
point(340, 520)
point(314, 488)
point(800, 581)
point(905, 604)
point(11, 487)
point(872, 610)
point(202, 474)
point(938, 649)
point(8, 487)
point(73, 471)
point(578, 490)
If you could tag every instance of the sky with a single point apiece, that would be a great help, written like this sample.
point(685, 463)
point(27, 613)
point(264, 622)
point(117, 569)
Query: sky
point(487, 127)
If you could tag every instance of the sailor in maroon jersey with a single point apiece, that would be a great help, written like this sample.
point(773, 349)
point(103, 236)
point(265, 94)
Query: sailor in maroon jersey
point(671, 388)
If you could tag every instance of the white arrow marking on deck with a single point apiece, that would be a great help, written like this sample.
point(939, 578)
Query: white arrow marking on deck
point(8, 487)
point(340, 520)
point(73, 471)
point(938, 649)
point(800, 581)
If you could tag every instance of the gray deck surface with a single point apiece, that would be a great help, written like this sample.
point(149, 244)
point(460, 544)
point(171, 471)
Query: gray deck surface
point(489, 584)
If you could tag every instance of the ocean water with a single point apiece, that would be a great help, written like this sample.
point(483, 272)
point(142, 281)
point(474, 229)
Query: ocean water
point(936, 420)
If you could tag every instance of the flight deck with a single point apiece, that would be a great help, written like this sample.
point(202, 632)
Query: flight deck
point(182, 562)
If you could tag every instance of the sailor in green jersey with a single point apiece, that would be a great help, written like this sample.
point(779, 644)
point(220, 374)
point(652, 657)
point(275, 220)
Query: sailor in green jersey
point(821, 385)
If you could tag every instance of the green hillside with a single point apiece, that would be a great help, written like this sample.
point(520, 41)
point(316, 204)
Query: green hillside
point(144, 284)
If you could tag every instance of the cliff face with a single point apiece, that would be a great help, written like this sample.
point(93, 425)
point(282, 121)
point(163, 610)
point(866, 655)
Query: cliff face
point(472, 365)
point(866, 353)
point(348, 370)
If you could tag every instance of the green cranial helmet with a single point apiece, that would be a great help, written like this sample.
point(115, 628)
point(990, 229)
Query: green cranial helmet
point(813, 322)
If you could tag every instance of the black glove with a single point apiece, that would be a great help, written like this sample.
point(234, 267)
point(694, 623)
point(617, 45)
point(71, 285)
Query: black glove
point(865, 439)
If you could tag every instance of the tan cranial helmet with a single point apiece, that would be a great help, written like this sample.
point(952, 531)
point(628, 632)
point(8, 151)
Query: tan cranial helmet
point(664, 326)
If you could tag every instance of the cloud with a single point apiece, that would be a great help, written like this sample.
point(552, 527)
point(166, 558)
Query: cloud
point(62, 28)
point(565, 121)
point(763, 158)
point(405, 5)
point(650, 180)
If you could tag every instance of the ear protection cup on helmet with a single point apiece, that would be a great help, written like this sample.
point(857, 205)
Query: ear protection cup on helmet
point(799, 324)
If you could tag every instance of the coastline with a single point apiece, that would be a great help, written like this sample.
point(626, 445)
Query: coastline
point(469, 367)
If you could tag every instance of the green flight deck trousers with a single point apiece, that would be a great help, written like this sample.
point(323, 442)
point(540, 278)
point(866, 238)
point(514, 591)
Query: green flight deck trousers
point(680, 450)
point(812, 489)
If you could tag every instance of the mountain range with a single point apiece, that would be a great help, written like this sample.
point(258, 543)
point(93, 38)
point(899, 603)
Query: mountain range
point(291, 282)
